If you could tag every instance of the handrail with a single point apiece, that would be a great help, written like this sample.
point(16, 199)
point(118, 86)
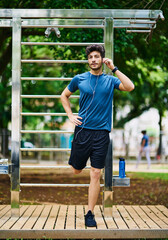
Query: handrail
point(138, 31)
point(46, 131)
point(46, 78)
point(46, 149)
point(82, 13)
point(59, 43)
point(55, 185)
point(61, 26)
point(47, 96)
point(44, 114)
point(52, 61)
point(48, 167)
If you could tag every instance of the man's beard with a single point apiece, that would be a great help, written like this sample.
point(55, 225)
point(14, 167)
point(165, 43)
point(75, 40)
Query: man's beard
point(95, 69)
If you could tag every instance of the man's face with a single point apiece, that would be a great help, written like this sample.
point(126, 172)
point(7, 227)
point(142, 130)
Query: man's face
point(95, 60)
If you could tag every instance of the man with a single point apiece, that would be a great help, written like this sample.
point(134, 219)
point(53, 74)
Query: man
point(93, 123)
point(144, 148)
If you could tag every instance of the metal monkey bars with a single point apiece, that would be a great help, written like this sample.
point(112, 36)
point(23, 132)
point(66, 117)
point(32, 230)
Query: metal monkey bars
point(139, 21)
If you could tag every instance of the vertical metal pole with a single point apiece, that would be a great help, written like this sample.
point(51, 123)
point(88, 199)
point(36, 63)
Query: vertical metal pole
point(108, 179)
point(16, 120)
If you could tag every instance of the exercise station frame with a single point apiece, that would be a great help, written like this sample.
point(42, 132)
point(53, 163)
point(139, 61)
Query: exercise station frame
point(140, 21)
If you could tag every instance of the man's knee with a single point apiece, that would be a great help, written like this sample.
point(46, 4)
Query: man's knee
point(95, 173)
point(76, 171)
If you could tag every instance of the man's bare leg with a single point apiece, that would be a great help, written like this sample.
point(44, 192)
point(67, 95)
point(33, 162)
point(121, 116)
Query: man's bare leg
point(75, 171)
point(94, 187)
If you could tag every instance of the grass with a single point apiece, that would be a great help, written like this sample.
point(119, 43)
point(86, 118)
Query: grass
point(147, 175)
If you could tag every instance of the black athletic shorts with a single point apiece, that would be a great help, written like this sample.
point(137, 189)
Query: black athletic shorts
point(89, 143)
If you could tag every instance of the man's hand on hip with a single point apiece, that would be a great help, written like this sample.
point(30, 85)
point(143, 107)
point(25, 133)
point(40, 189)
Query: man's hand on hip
point(75, 119)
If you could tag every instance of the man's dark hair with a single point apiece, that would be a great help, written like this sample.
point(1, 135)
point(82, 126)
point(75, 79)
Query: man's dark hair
point(95, 47)
point(143, 131)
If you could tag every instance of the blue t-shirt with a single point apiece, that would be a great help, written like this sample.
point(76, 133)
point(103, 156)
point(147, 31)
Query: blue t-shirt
point(146, 138)
point(96, 112)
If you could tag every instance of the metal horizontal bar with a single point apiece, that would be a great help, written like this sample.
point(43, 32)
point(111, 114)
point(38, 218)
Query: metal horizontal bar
point(135, 21)
point(47, 96)
point(80, 23)
point(45, 114)
point(137, 26)
point(45, 79)
point(81, 13)
point(46, 149)
point(63, 26)
point(138, 31)
point(5, 23)
point(52, 61)
point(117, 181)
point(59, 43)
point(46, 131)
point(54, 185)
point(63, 23)
point(48, 167)
point(118, 23)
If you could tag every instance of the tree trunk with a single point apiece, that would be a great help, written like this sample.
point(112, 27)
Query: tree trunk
point(159, 151)
point(4, 142)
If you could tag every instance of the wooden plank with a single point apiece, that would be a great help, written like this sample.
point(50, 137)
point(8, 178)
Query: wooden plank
point(163, 209)
point(70, 221)
point(13, 220)
point(1, 207)
point(141, 224)
point(85, 234)
point(60, 223)
point(22, 220)
point(31, 221)
point(125, 215)
point(99, 219)
point(43, 217)
point(5, 217)
point(157, 220)
point(118, 219)
point(80, 220)
point(159, 214)
point(109, 221)
point(145, 217)
point(52, 217)
point(5, 210)
point(90, 233)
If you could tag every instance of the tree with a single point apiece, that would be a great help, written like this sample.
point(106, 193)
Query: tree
point(127, 47)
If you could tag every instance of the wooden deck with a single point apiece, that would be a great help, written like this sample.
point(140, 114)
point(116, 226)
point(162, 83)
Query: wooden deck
point(62, 221)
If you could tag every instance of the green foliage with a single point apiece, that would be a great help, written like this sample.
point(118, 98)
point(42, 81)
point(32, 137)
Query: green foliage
point(5, 99)
point(146, 64)
point(161, 176)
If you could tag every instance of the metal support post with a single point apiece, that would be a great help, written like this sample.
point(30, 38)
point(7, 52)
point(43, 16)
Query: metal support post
point(108, 179)
point(16, 120)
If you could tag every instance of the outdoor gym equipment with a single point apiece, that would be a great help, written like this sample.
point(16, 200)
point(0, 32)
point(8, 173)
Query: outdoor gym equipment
point(139, 21)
